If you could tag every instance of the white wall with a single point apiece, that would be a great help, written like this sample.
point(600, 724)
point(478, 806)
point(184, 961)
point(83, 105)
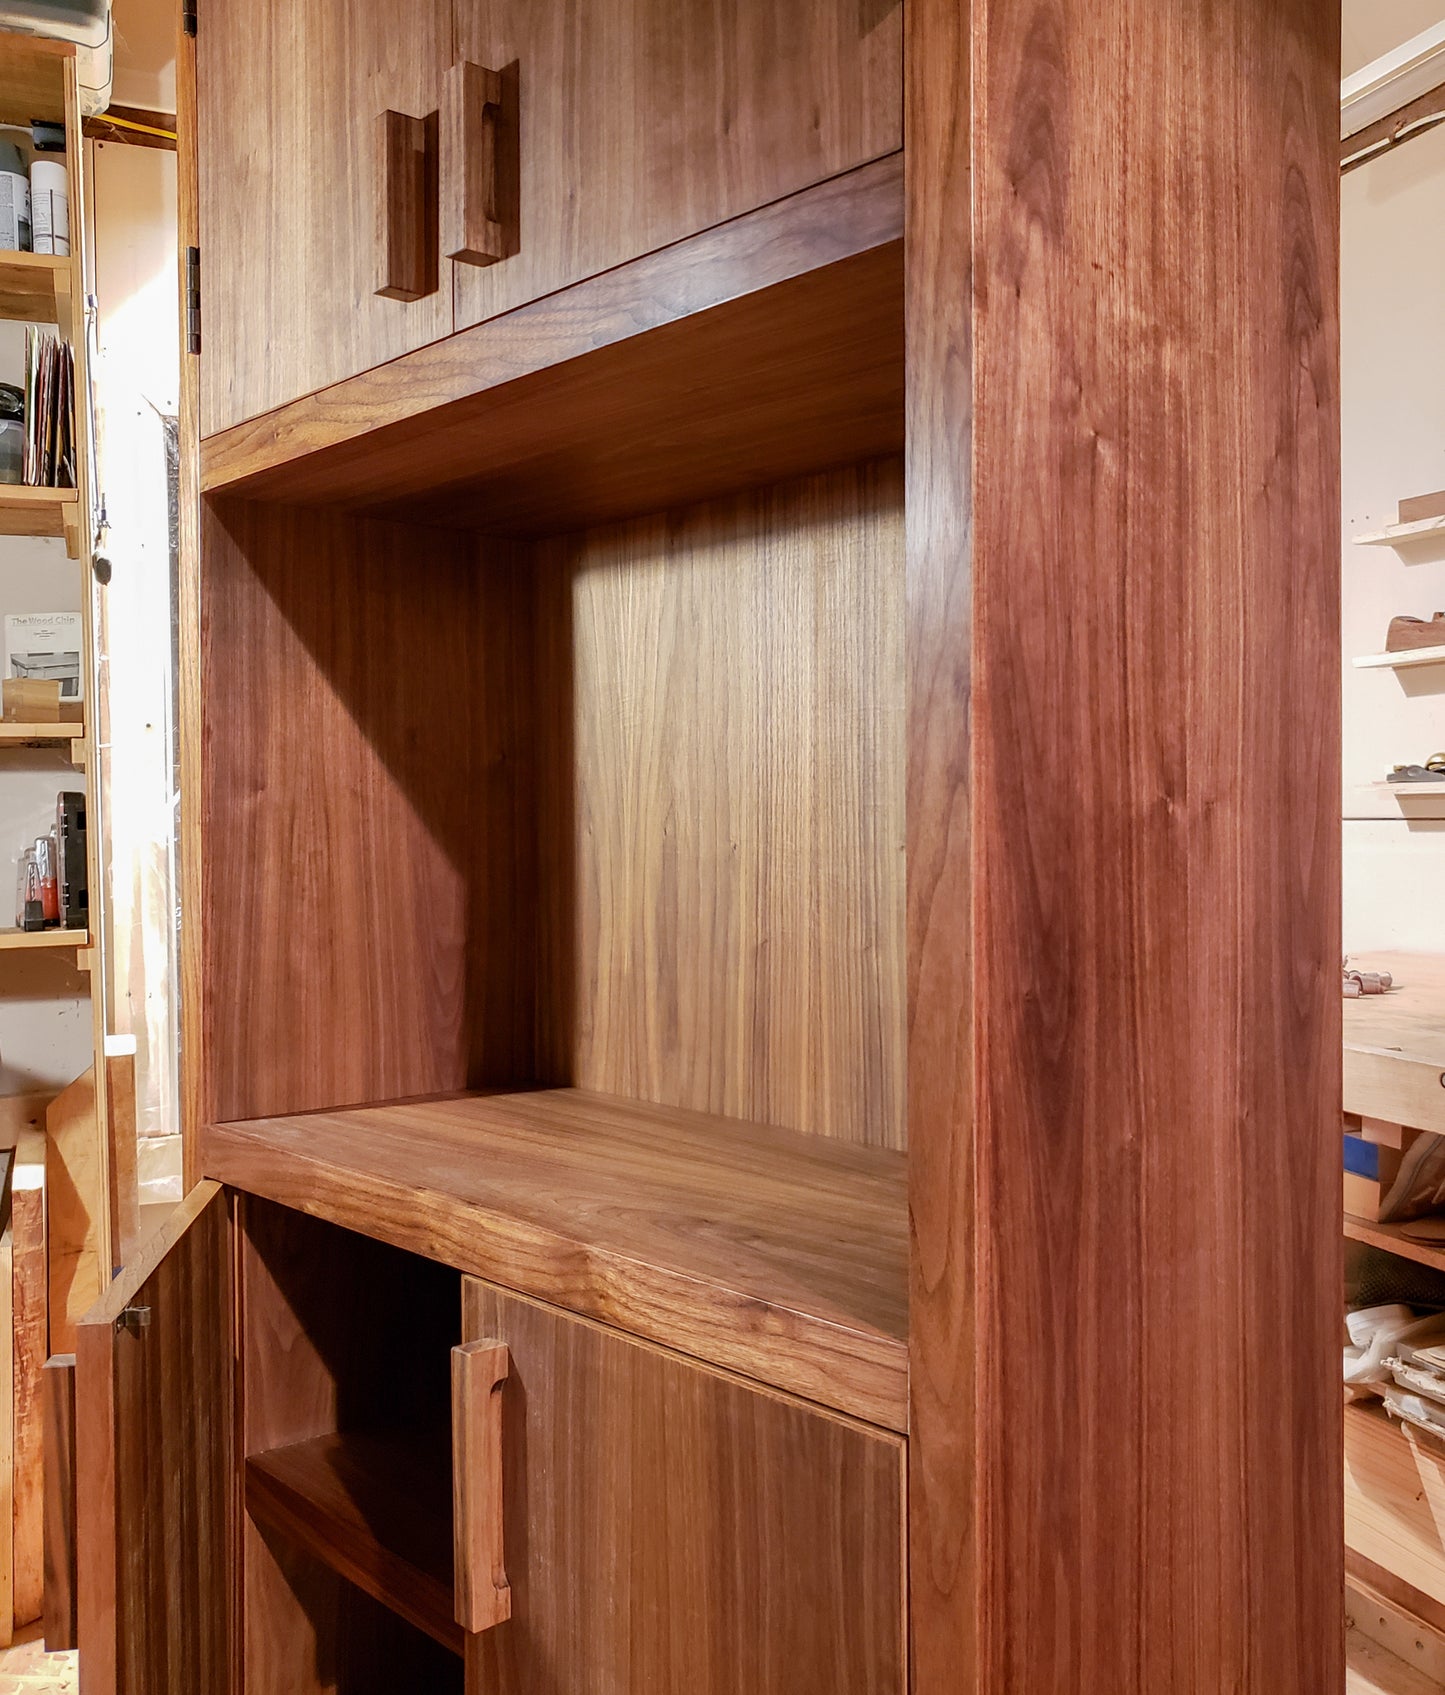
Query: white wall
point(1393, 425)
point(137, 384)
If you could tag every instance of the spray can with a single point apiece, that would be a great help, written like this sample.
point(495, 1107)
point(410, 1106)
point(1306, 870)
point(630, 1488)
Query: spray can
point(49, 205)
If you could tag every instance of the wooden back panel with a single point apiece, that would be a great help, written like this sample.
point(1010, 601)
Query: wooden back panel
point(722, 810)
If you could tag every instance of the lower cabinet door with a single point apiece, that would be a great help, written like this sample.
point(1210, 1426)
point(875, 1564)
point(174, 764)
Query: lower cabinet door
point(667, 1529)
point(153, 1415)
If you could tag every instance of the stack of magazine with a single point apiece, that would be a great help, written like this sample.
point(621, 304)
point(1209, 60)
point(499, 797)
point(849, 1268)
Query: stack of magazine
point(49, 450)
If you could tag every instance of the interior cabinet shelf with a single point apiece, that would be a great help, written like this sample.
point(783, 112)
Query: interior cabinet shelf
point(1400, 661)
point(772, 1253)
point(35, 288)
point(11, 939)
point(28, 511)
point(373, 1510)
point(767, 348)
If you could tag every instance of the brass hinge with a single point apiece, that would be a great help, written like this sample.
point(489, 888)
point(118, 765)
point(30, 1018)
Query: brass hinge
point(188, 16)
point(193, 300)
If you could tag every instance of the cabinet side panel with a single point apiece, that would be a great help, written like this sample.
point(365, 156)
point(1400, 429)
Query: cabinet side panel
point(1156, 643)
point(670, 1528)
point(723, 806)
point(369, 851)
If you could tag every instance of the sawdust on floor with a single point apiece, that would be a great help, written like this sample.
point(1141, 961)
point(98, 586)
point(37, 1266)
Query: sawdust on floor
point(26, 1669)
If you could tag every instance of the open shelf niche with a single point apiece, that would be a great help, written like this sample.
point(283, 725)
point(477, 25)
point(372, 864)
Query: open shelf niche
point(589, 799)
point(345, 1390)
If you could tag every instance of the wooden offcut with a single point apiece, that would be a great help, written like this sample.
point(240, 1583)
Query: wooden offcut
point(76, 1205)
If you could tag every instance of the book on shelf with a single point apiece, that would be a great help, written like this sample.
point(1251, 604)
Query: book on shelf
point(48, 453)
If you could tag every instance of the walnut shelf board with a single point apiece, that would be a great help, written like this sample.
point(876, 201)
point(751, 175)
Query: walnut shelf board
point(1395, 1043)
point(17, 939)
point(35, 289)
point(372, 1510)
point(1401, 535)
point(1400, 661)
point(767, 348)
point(1393, 1240)
point(775, 1254)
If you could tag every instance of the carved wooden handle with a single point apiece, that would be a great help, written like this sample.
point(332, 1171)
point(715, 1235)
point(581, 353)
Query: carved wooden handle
point(479, 1373)
point(479, 164)
point(406, 207)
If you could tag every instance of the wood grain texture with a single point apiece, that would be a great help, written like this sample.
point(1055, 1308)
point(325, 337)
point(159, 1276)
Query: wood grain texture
point(357, 1645)
point(671, 1528)
point(779, 1255)
point(1395, 1499)
point(58, 1403)
point(766, 348)
point(154, 1465)
point(406, 207)
point(1155, 555)
point(75, 1207)
point(32, 77)
point(722, 815)
point(366, 927)
point(377, 1513)
point(29, 1332)
point(483, 1596)
point(643, 121)
point(289, 193)
point(1395, 1043)
point(942, 1337)
point(480, 215)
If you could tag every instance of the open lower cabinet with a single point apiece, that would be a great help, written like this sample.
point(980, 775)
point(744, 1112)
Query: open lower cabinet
point(741, 858)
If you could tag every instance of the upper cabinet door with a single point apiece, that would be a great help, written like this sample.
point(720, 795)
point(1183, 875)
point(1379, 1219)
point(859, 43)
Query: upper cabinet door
point(293, 207)
point(644, 121)
point(153, 1417)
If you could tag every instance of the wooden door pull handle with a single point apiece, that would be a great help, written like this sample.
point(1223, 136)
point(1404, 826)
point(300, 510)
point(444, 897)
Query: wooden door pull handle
point(407, 265)
point(479, 1374)
point(480, 179)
